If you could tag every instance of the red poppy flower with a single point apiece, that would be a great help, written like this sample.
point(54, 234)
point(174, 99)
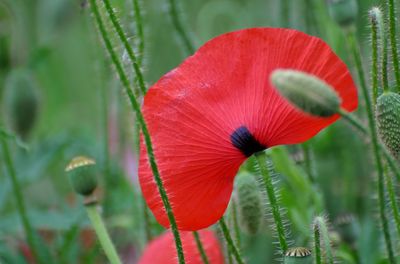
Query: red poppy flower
point(162, 249)
point(218, 107)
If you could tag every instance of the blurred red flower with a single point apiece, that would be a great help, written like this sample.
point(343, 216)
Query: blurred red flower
point(162, 249)
point(218, 107)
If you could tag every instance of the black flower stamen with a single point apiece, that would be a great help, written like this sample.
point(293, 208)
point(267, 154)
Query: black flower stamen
point(244, 141)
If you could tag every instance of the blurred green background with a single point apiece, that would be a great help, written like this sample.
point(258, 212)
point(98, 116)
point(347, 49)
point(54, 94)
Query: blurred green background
point(82, 110)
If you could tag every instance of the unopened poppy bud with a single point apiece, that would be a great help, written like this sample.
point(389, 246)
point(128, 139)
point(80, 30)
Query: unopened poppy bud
point(83, 175)
point(307, 92)
point(21, 101)
point(298, 255)
point(249, 203)
point(388, 119)
point(343, 12)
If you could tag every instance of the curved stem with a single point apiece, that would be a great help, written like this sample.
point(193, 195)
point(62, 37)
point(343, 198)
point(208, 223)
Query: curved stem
point(200, 247)
point(19, 200)
point(180, 29)
point(375, 145)
point(149, 147)
point(102, 234)
point(121, 34)
point(261, 159)
point(231, 245)
point(392, 28)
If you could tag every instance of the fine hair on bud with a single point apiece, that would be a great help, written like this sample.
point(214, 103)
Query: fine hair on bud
point(298, 255)
point(82, 172)
point(249, 203)
point(21, 101)
point(307, 92)
point(343, 12)
point(388, 121)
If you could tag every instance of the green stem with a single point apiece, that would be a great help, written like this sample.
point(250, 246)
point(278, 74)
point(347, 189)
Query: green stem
point(375, 145)
point(393, 41)
point(139, 29)
point(200, 247)
point(102, 233)
point(149, 147)
point(121, 34)
point(374, 42)
point(393, 200)
point(146, 218)
point(19, 200)
point(231, 245)
point(308, 160)
point(261, 159)
point(359, 126)
point(321, 228)
point(317, 246)
point(178, 25)
point(285, 13)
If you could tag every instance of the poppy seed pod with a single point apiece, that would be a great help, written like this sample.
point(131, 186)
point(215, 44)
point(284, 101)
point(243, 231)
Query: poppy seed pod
point(307, 92)
point(249, 203)
point(298, 255)
point(21, 101)
point(83, 175)
point(388, 120)
point(343, 12)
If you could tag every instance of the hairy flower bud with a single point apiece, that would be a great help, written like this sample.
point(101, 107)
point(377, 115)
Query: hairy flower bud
point(307, 92)
point(298, 255)
point(343, 12)
point(83, 175)
point(388, 120)
point(249, 203)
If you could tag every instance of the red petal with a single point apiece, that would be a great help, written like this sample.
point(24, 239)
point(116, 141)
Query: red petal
point(193, 110)
point(162, 249)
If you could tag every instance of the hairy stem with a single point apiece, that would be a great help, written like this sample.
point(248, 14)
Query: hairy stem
point(149, 147)
point(393, 41)
point(231, 245)
point(139, 29)
point(261, 160)
point(178, 25)
point(200, 247)
point(121, 34)
point(321, 230)
point(375, 145)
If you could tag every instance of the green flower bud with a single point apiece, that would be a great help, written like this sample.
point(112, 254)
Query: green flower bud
point(307, 92)
point(343, 12)
point(21, 101)
point(83, 175)
point(298, 255)
point(249, 203)
point(388, 120)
